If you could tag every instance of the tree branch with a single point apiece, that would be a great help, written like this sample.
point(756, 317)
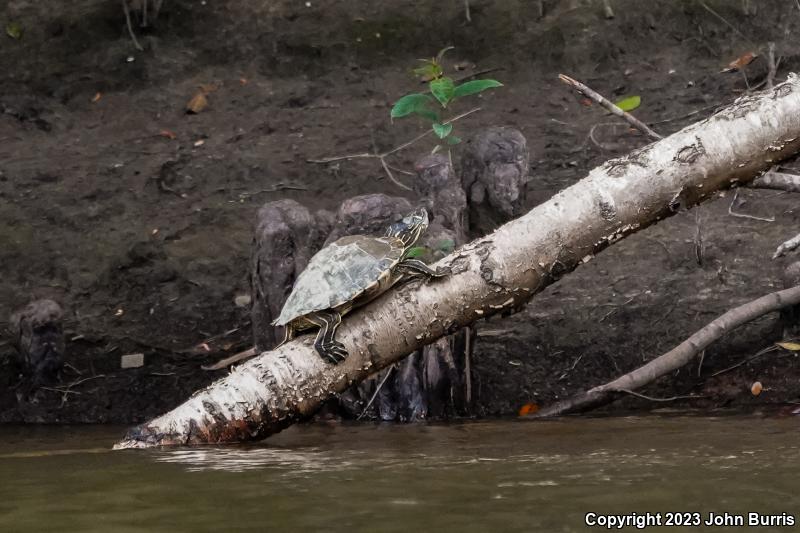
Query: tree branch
point(498, 273)
point(609, 105)
point(677, 357)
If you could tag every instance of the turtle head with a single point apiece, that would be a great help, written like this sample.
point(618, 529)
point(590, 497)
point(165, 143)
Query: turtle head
point(410, 228)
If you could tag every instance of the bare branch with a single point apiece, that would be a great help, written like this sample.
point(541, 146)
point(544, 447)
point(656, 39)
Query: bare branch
point(603, 101)
point(787, 246)
point(781, 181)
point(678, 356)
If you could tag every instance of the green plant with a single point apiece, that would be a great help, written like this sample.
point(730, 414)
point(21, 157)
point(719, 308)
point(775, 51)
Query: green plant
point(443, 93)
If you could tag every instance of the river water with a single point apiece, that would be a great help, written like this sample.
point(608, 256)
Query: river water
point(482, 476)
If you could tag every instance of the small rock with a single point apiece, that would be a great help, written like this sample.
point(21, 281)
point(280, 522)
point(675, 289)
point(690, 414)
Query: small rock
point(131, 360)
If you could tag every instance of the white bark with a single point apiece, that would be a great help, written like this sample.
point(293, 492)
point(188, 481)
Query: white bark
point(494, 274)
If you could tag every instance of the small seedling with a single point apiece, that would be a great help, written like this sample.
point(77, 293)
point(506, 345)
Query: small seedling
point(443, 93)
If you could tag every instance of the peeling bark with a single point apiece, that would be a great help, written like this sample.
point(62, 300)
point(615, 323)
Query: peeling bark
point(498, 273)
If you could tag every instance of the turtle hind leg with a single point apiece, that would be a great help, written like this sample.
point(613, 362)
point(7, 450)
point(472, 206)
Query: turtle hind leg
point(415, 267)
point(326, 345)
point(288, 334)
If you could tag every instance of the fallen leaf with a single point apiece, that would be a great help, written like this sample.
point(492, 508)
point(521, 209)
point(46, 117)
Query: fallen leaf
point(756, 388)
point(528, 409)
point(791, 346)
point(97, 96)
point(586, 102)
point(208, 88)
point(243, 81)
point(740, 62)
point(197, 104)
point(167, 134)
point(14, 30)
point(630, 103)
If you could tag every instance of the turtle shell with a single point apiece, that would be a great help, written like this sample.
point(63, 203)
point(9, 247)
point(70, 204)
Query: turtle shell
point(339, 273)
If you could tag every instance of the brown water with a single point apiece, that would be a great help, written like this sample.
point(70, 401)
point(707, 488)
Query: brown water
point(486, 476)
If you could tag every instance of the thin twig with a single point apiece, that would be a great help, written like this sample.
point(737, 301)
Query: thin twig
point(228, 361)
point(607, 11)
point(477, 73)
point(382, 156)
point(650, 398)
point(391, 176)
point(745, 361)
point(130, 26)
point(771, 65)
point(466, 11)
point(375, 394)
point(687, 115)
point(731, 26)
point(745, 215)
point(610, 106)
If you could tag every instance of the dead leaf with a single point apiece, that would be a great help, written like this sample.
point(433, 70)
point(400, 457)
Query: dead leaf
point(528, 409)
point(208, 88)
point(740, 62)
point(14, 30)
point(197, 104)
point(97, 96)
point(586, 102)
point(167, 134)
point(756, 388)
point(791, 346)
point(243, 81)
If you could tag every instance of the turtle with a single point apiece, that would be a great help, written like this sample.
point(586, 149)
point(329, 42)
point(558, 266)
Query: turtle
point(348, 273)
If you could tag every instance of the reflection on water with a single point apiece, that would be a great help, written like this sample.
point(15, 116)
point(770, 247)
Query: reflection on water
point(506, 475)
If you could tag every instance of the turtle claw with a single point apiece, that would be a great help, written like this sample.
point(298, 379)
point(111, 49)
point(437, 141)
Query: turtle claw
point(333, 351)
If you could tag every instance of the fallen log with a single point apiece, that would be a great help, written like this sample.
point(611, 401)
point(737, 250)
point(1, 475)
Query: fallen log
point(682, 354)
point(498, 273)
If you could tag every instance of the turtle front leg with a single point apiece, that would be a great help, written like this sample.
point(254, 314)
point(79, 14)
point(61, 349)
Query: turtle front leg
point(417, 267)
point(288, 334)
point(326, 345)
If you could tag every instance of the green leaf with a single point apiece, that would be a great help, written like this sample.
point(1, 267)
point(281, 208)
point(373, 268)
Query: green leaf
point(474, 87)
point(442, 89)
point(416, 251)
point(442, 130)
point(14, 30)
point(453, 139)
point(630, 103)
point(414, 103)
point(429, 71)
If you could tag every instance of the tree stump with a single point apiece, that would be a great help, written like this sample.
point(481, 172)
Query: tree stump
point(38, 335)
point(370, 214)
point(494, 171)
point(286, 236)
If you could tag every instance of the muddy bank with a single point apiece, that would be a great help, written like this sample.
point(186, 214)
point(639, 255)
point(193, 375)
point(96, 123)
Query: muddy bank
point(144, 238)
